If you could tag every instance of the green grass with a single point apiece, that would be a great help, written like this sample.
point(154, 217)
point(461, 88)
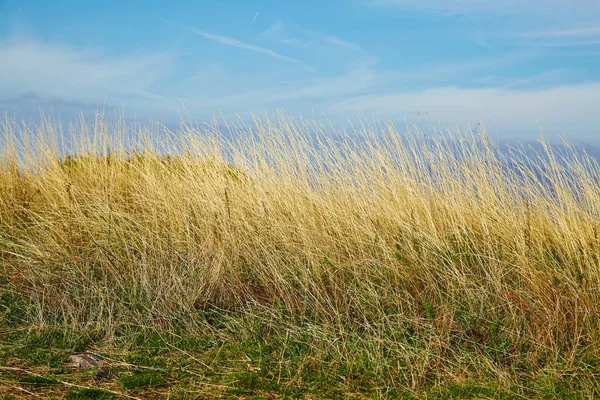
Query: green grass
point(90, 393)
point(240, 355)
point(37, 380)
point(253, 357)
point(263, 355)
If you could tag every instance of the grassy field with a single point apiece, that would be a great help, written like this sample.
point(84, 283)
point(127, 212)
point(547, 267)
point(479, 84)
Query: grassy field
point(280, 261)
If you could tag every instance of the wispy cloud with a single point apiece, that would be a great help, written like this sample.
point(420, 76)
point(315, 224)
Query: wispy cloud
point(551, 76)
point(310, 92)
point(254, 19)
point(564, 43)
point(289, 34)
point(336, 41)
point(362, 77)
point(31, 65)
point(291, 41)
point(514, 112)
point(498, 6)
point(587, 36)
point(541, 80)
point(579, 32)
point(225, 40)
point(273, 30)
point(511, 108)
point(563, 37)
point(276, 31)
point(444, 71)
point(31, 105)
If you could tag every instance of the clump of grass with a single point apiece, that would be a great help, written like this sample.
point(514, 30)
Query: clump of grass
point(142, 380)
point(416, 260)
point(36, 380)
point(90, 393)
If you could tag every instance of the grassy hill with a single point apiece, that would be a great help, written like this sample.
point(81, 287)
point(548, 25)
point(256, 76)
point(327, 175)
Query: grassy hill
point(277, 262)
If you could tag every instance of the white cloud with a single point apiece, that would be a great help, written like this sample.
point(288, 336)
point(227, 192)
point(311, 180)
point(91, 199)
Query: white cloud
point(361, 77)
point(32, 66)
point(31, 105)
point(237, 43)
point(571, 109)
point(92, 77)
point(511, 109)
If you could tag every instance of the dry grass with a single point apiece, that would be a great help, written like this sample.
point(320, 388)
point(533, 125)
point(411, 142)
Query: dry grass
point(365, 233)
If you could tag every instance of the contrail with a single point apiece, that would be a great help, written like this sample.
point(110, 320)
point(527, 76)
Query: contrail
point(254, 19)
point(238, 43)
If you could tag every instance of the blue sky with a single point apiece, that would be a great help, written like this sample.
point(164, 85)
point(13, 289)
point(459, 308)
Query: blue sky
point(511, 63)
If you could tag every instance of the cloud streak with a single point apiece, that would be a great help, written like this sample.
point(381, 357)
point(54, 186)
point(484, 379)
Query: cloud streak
point(336, 41)
point(289, 34)
point(228, 41)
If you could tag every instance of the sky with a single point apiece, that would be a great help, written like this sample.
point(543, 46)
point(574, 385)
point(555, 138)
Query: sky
point(518, 66)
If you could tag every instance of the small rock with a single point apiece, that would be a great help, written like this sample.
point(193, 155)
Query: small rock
point(82, 361)
point(101, 374)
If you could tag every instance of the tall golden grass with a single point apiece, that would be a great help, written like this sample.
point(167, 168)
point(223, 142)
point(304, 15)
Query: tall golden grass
point(141, 225)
